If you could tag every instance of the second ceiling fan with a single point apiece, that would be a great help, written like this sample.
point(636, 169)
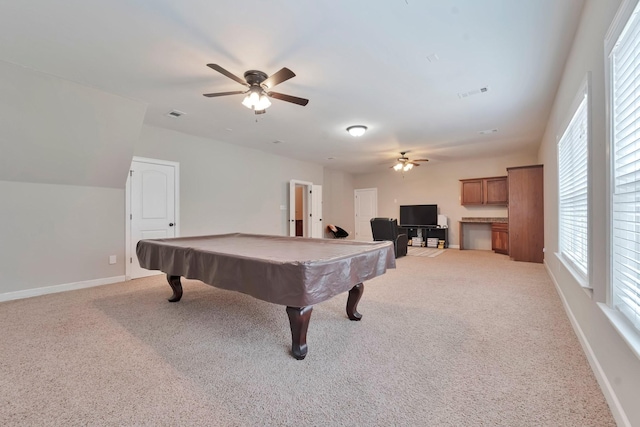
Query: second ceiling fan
point(403, 163)
point(259, 84)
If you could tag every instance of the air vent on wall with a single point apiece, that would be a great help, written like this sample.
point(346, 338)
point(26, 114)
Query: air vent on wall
point(175, 114)
point(473, 92)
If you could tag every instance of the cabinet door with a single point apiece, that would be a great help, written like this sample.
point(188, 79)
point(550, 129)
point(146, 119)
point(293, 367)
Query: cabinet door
point(472, 192)
point(500, 238)
point(526, 213)
point(497, 191)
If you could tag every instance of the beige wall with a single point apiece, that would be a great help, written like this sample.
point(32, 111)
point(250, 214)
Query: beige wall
point(438, 183)
point(65, 150)
point(616, 366)
point(219, 196)
point(338, 201)
point(59, 234)
point(58, 132)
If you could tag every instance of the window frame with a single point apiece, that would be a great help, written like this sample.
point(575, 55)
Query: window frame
point(583, 94)
point(629, 333)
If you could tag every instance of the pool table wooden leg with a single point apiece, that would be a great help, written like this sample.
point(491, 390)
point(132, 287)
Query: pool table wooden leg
point(299, 321)
point(176, 286)
point(352, 301)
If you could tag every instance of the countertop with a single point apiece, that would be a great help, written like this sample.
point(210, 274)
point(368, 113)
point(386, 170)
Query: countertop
point(485, 219)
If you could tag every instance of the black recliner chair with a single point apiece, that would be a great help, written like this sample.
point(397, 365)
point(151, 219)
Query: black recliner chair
point(387, 229)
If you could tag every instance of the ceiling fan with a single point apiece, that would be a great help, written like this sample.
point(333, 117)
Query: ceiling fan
point(404, 164)
point(259, 84)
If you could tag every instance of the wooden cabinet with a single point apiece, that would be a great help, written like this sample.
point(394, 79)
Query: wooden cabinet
point(500, 237)
point(485, 191)
point(471, 192)
point(526, 213)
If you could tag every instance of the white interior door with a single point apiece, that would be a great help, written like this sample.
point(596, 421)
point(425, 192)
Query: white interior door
point(152, 207)
point(366, 207)
point(317, 230)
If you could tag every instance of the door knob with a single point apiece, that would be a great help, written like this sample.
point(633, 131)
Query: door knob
point(170, 224)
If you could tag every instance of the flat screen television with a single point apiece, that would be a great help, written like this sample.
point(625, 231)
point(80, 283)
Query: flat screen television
point(419, 215)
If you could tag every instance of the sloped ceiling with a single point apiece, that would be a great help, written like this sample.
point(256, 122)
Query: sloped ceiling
point(396, 66)
point(58, 132)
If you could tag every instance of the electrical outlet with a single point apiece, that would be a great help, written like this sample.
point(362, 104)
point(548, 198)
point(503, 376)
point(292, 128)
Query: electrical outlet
point(112, 259)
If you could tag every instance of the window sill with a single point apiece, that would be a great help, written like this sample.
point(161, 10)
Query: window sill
point(628, 333)
point(578, 276)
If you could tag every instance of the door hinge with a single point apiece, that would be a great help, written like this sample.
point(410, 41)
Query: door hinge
point(131, 260)
point(130, 216)
point(130, 173)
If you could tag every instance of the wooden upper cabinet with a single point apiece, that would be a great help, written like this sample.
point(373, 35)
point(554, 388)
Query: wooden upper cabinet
point(497, 191)
point(485, 191)
point(472, 191)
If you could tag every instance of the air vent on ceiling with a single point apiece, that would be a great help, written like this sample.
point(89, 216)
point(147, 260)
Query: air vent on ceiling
point(488, 131)
point(175, 114)
point(473, 92)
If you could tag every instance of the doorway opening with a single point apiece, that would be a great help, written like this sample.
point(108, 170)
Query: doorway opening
point(305, 209)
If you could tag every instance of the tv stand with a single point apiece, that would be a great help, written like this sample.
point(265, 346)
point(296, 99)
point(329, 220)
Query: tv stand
point(426, 232)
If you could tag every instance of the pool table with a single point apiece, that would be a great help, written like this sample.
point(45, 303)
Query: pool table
point(292, 271)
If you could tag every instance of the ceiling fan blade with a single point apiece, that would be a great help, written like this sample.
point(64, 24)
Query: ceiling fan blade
point(277, 78)
point(420, 160)
point(227, 73)
point(288, 98)
point(235, 92)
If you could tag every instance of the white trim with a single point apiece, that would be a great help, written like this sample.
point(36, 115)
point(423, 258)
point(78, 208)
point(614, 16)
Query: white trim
point(617, 25)
point(614, 404)
point(628, 333)
point(577, 275)
point(28, 293)
point(127, 206)
point(625, 12)
point(307, 206)
point(584, 90)
point(583, 93)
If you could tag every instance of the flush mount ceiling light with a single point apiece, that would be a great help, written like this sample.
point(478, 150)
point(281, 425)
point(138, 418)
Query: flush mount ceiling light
point(357, 130)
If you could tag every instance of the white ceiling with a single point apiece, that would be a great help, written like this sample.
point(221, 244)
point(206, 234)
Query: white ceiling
point(357, 61)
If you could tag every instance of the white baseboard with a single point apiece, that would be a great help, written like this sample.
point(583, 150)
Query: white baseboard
point(28, 293)
point(614, 404)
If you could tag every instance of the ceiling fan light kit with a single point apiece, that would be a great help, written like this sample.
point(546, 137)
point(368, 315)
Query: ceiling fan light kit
point(257, 96)
point(405, 165)
point(256, 99)
point(356, 130)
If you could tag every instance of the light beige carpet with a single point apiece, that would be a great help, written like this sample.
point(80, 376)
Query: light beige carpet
point(469, 338)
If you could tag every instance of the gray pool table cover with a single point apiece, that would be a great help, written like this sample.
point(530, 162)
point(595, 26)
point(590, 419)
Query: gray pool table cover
point(292, 271)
